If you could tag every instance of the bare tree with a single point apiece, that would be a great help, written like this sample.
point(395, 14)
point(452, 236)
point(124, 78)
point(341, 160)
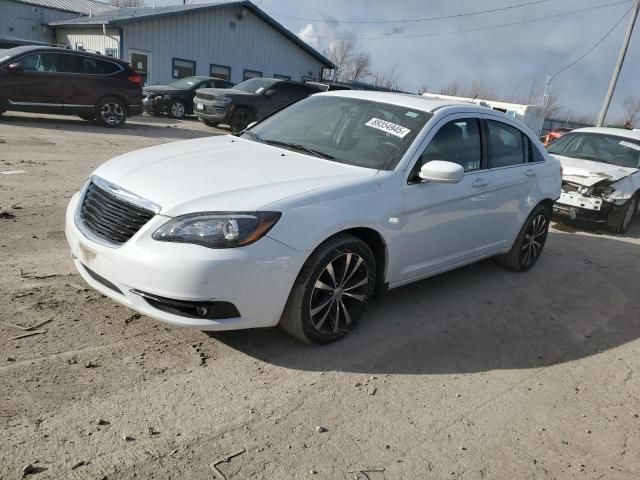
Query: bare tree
point(126, 3)
point(360, 67)
point(390, 79)
point(631, 105)
point(452, 89)
point(423, 89)
point(341, 53)
point(479, 89)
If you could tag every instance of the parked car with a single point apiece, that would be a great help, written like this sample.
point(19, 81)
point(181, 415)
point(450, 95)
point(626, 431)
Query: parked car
point(601, 179)
point(176, 99)
point(61, 81)
point(305, 216)
point(248, 102)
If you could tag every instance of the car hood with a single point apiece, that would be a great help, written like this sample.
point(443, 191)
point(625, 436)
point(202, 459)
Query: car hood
point(588, 172)
point(160, 89)
point(225, 92)
point(222, 173)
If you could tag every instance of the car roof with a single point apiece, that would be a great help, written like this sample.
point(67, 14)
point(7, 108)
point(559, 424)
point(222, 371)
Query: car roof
point(37, 48)
point(417, 102)
point(618, 132)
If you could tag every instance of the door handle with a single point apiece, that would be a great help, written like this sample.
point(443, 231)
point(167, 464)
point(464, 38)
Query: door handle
point(480, 182)
point(530, 173)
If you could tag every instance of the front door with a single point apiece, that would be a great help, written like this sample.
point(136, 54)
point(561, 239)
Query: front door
point(140, 63)
point(446, 224)
point(36, 86)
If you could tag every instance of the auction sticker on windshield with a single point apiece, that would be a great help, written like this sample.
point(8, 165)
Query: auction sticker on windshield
point(392, 128)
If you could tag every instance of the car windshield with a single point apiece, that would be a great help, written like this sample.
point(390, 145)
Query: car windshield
point(255, 85)
point(620, 151)
point(345, 130)
point(186, 82)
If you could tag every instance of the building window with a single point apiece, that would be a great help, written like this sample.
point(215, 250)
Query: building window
point(111, 52)
point(220, 71)
point(251, 74)
point(281, 77)
point(183, 68)
point(307, 78)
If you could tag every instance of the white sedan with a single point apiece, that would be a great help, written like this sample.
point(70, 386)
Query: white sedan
point(303, 218)
point(601, 178)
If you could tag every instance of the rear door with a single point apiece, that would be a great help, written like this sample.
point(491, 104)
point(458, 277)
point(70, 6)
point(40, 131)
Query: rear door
point(515, 165)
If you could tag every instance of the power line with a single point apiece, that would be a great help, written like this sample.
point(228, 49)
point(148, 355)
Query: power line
point(471, 30)
point(412, 20)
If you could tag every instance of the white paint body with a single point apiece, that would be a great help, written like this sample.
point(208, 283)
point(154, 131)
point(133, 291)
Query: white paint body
point(625, 180)
point(427, 227)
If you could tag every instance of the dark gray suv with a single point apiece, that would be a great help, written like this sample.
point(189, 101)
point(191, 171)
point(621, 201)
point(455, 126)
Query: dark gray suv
point(247, 102)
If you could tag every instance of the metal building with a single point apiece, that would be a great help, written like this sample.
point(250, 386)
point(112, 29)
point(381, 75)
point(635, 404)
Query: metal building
point(29, 19)
point(233, 40)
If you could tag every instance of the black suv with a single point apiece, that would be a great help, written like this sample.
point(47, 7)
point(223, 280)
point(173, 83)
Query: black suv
point(68, 82)
point(176, 99)
point(247, 102)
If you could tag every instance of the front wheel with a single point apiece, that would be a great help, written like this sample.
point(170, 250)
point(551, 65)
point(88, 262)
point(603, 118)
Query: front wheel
point(177, 109)
point(111, 112)
point(530, 242)
point(240, 120)
point(620, 221)
point(331, 292)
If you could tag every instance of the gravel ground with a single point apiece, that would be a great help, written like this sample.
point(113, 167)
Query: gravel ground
point(477, 373)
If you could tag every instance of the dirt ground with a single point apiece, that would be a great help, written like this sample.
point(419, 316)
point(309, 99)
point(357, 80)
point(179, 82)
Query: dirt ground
point(478, 373)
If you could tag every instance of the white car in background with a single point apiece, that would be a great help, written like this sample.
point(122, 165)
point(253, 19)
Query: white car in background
point(304, 217)
point(601, 179)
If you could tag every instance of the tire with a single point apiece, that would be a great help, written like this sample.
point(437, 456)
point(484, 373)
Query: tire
point(527, 248)
point(111, 112)
point(89, 117)
point(210, 123)
point(177, 109)
point(318, 313)
point(241, 118)
point(619, 222)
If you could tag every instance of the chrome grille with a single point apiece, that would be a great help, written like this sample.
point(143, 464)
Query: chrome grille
point(205, 96)
point(111, 218)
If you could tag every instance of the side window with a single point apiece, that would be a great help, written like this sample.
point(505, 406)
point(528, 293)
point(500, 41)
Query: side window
point(30, 62)
point(247, 74)
point(506, 145)
point(181, 68)
point(457, 141)
point(106, 68)
point(73, 64)
point(536, 156)
point(220, 71)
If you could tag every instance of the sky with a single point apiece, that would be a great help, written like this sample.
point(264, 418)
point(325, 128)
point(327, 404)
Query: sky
point(506, 59)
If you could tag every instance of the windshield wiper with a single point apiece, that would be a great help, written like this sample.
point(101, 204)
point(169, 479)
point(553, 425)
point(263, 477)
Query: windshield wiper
point(302, 148)
point(253, 135)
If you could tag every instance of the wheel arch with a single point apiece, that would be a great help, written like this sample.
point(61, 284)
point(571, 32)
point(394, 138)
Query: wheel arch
point(375, 241)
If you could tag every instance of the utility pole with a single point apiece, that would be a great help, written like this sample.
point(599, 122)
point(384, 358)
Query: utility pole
point(616, 71)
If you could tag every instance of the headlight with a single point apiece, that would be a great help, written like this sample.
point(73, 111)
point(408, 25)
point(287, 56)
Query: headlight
point(218, 229)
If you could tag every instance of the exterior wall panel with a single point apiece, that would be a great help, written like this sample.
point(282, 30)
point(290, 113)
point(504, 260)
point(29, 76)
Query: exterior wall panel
point(28, 21)
point(91, 38)
point(216, 37)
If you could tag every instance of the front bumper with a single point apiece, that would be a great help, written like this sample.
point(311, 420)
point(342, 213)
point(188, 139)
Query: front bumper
point(214, 112)
point(256, 279)
point(582, 207)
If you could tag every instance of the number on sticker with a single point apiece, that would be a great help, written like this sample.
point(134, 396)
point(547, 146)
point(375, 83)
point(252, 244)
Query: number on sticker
point(392, 128)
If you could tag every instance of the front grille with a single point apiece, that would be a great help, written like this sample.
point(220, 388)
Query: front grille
point(205, 96)
point(111, 218)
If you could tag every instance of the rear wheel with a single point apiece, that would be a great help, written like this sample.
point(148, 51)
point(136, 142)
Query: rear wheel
point(331, 292)
point(177, 109)
point(241, 118)
point(620, 221)
point(530, 242)
point(111, 112)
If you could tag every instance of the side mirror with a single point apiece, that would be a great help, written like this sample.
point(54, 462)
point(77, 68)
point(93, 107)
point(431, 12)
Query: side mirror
point(250, 125)
point(16, 67)
point(441, 172)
